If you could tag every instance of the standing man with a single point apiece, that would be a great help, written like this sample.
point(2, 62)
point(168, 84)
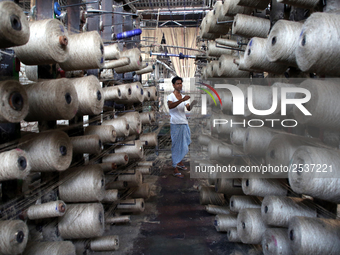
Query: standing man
point(180, 132)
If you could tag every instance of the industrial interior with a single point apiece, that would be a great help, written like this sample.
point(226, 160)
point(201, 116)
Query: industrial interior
point(86, 160)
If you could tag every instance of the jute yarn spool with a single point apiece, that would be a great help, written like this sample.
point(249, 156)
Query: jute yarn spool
point(142, 191)
point(105, 243)
point(146, 70)
point(112, 93)
point(120, 185)
point(204, 72)
point(153, 93)
point(116, 63)
point(145, 118)
point(209, 70)
point(134, 121)
point(250, 226)
point(135, 61)
point(133, 149)
point(83, 184)
point(225, 129)
point(217, 209)
point(290, 95)
point(14, 28)
point(237, 136)
point(49, 232)
point(314, 236)
point(86, 144)
point(227, 68)
point(41, 248)
point(237, 203)
point(230, 8)
point(208, 21)
point(257, 140)
point(241, 64)
point(227, 100)
point(117, 219)
point(323, 106)
point(282, 42)
point(126, 91)
point(214, 67)
point(112, 51)
point(121, 126)
point(120, 159)
point(213, 149)
point(144, 170)
point(90, 95)
point(15, 165)
point(264, 187)
point(223, 222)
point(133, 177)
point(261, 98)
point(32, 73)
point(213, 50)
point(258, 4)
point(282, 147)
point(48, 151)
point(227, 42)
point(106, 133)
point(204, 139)
point(13, 236)
point(86, 51)
point(46, 210)
point(108, 166)
point(275, 241)
point(150, 138)
point(111, 195)
point(52, 100)
point(215, 27)
point(82, 221)
point(306, 4)
point(14, 101)
point(324, 184)
point(131, 205)
point(146, 163)
point(48, 43)
point(209, 196)
point(279, 210)
point(203, 33)
point(233, 236)
point(256, 59)
point(225, 151)
point(250, 26)
point(137, 94)
point(318, 49)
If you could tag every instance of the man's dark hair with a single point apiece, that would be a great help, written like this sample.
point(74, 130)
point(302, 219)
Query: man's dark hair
point(176, 79)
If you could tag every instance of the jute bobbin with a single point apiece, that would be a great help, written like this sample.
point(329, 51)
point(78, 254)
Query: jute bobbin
point(14, 28)
point(142, 191)
point(13, 236)
point(318, 48)
point(126, 91)
point(121, 126)
point(146, 70)
point(52, 100)
point(120, 159)
point(15, 165)
point(256, 59)
point(120, 185)
point(46, 210)
point(258, 4)
point(209, 196)
point(226, 128)
point(279, 210)
point(260, 98)
point(204, 139)
point(110, 195)
point(233, 236)
point(314, 236)
point(209, 70)
point(112, 51)
point(146, 163)
point(108, 166)
point(50, 231)
point(218, 209)
point(144, 170)
point(227, 42)
point(106, 133)
point(86, 51)
point(48, 151)
point(86, 144)
point(227, 68)
point(135, 61)
point(133, 148)
point(323, 106)
point(133, 177)
point(264, 187)
point(218, 8)
point(152, 91)
point(227, 101)
point(82, 221)
point(83, 184)
point(237, 203)
point(216, 51)
point(131, 205)
point(105, 243)
point(32, 73)
point(250, 226)
point(90, 95)
point(306, 4)
point(14, 101)
point(137, 94)
point(134, 122)
point(323, 182)
point(150, 138)
point(230, 8)
point(117, 219)
point(116, 63)
point(223, 222)
point(41, 248)
point(257, 140)
point(275, 241)
point(217, 28)
point(203, 33)
point(112, 93)
point(289, 95)
point(213, 149)
point(250, 26)
point(237, 136)
point(48, 43)
point(145, 118)
point(282, 42)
